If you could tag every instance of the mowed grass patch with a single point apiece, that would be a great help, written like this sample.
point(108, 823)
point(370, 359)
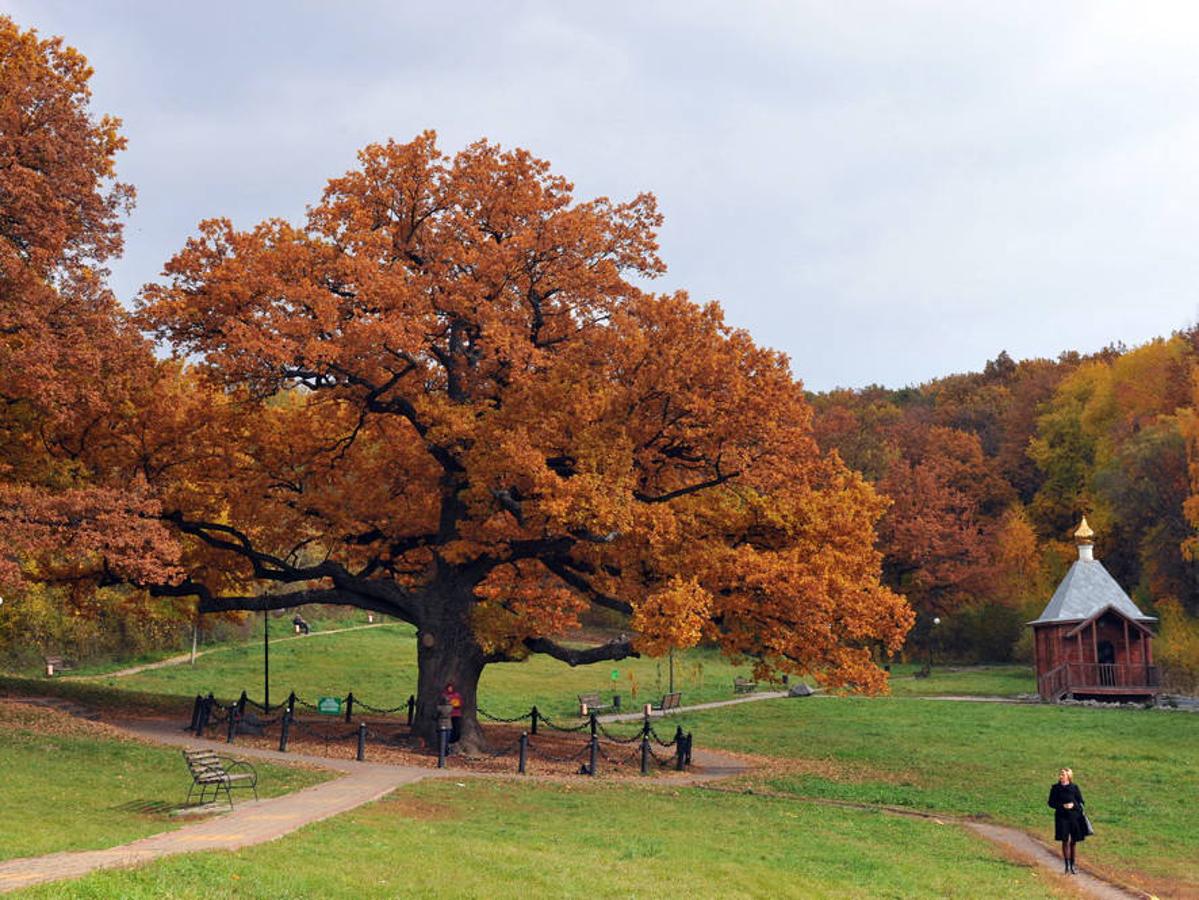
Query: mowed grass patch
point(69, 784)
point(964, 681)
point(379, 666)
point(493, 839)
point(1139, 769)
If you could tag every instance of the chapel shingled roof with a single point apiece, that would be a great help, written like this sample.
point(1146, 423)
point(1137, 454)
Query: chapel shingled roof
point(1087, 589)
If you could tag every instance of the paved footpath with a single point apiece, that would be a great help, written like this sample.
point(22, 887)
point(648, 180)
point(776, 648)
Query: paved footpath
point(249, 823)
point(658, 714)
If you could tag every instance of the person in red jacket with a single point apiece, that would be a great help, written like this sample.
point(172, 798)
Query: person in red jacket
point(453, 699)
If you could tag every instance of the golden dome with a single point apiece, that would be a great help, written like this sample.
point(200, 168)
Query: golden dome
point(1084, 534)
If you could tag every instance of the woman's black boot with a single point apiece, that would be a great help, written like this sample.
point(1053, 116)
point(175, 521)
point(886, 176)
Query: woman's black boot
point(1066, 862)
point(1073, 871)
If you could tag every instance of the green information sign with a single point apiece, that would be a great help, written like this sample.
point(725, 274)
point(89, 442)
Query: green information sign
point(330, 706)
point(616, 674)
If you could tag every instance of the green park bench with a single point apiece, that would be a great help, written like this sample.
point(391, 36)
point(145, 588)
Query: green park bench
point(744, 685)
point(220, 773)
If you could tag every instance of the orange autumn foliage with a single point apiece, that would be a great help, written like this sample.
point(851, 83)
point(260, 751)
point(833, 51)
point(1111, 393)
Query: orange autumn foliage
point(446, 398)
point(70, 366)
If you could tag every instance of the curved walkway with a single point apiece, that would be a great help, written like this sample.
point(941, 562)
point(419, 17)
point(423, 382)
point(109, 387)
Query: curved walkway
point(248, 823)
point(1015, 843)
point(265, 820)
point(186, 657)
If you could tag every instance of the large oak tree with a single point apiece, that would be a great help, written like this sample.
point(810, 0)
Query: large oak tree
point(446, 399)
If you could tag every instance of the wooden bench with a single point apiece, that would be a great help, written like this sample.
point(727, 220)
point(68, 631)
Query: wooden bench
point(589, 703)
point(669, 702)
point(55, 664)
point(220, 773)
point(744, 686)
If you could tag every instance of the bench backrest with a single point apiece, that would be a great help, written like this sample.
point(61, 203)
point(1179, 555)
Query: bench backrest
point(203, 763)
point(671, 701)
point(590, 699)
point(740, 680)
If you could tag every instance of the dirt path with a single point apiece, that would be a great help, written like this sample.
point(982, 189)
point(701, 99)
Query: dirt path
point(186, 657)
point(1014, 843)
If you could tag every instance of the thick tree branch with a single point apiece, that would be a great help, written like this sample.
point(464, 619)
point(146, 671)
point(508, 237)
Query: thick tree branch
point(563, 569)
point(613, 650)
point(684, 491)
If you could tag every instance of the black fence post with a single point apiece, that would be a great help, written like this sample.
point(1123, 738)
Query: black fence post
point(443, 738)
point(284, 729)
point(644, 755)
point(687, 761)
point(678, 755)
point(361, 741)
point(291, 703)
point(411, 708)
point(241, 704)
point(195, 712)
point(645, 725)
point(524, 752)
point(678, 734)
point(594, 756)
point(232, 723)
point(594, 722)
point(205, 712)
point(533, 716)
point(349, 706)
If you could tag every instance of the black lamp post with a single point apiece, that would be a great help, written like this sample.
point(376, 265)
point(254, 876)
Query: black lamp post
point(266, 661)
point(932, 632)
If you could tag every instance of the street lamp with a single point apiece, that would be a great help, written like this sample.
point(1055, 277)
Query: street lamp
point(266, 662)
point(932, 637)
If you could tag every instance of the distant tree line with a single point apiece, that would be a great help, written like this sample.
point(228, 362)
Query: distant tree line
point(989, 472)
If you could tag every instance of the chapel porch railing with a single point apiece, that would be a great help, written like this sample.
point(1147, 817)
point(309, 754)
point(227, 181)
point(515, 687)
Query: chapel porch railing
point(1110, 678)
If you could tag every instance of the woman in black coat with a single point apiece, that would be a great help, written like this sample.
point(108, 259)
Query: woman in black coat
point(1069, 827)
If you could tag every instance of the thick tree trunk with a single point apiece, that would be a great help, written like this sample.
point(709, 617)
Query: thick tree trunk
point(447, 652)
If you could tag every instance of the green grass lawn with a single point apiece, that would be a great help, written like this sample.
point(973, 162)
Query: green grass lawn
point(67, 786)
point(281, 627)
point(967, 681)
point(379, 666)
point(502, 839)
point(1139, 769)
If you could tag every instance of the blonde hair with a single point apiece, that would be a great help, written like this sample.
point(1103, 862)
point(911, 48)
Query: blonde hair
point(1069, 772)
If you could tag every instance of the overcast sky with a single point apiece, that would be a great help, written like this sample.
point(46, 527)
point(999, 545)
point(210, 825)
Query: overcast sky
point(887, 192)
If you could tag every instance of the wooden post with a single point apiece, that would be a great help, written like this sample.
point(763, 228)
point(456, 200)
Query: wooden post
point(524, 752)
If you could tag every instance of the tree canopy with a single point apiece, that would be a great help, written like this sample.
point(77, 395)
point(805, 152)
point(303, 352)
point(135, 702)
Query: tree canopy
point(445, 398)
